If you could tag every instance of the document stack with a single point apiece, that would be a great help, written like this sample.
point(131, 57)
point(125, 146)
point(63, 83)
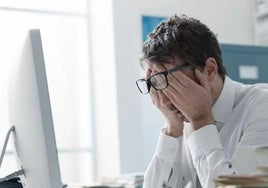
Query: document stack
point(257, 179)
point(131, 180)
point(242, 181)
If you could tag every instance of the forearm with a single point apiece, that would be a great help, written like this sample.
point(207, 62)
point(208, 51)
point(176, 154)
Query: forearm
point(167, 159)
point(208, 155)
point(160, 172)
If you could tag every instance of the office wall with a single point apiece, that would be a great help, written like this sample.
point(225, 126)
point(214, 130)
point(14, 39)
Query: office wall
point(139, 121)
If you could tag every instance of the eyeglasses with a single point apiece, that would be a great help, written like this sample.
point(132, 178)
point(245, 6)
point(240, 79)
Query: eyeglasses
point(158, 81)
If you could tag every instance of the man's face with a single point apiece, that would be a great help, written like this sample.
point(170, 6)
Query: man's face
point(153, 68)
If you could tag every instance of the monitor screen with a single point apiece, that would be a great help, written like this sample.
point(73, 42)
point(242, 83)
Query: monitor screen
point(30, 113)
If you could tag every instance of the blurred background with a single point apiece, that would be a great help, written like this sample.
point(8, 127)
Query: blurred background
point(104, 127)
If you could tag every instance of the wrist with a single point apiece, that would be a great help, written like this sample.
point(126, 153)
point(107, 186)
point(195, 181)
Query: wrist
point(201, 122)
point(174, 130)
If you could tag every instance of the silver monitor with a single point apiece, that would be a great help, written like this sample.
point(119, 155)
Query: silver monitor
point(30, 113)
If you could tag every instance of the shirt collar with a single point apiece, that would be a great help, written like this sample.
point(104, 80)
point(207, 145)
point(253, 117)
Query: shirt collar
point(223, 107)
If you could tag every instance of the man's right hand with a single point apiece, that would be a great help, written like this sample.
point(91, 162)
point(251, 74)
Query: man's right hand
point(173, 116)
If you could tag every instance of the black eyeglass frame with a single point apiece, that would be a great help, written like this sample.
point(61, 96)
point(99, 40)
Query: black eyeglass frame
point(165, 73)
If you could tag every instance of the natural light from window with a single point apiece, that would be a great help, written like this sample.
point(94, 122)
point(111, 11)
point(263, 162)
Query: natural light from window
point(64, 31)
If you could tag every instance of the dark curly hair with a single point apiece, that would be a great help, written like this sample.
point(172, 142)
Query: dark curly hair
point(183, 37)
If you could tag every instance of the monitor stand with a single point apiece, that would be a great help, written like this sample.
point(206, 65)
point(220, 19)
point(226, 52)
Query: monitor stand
point(13, 174)
point(16, 174)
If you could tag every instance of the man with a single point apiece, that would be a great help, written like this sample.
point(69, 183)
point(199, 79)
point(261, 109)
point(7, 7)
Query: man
point(214, 125)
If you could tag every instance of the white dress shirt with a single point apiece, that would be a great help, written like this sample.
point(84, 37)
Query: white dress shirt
point(229, 147)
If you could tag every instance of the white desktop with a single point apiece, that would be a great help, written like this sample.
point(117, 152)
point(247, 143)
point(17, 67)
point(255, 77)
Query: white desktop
point(30, 113)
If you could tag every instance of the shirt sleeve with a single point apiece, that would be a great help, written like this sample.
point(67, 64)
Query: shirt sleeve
point(208, 155)
point(167, 158)
point(253, 144)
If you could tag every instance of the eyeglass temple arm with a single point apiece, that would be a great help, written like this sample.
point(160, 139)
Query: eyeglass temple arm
point(177, 68)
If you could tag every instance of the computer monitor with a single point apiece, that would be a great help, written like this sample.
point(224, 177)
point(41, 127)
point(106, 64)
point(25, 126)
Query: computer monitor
point(30, 113)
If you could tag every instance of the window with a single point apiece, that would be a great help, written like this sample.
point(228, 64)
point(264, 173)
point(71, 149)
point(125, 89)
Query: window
point(64, 31)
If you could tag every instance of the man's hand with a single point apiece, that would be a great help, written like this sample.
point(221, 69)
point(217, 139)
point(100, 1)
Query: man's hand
point(172, 114)
point(193, 99)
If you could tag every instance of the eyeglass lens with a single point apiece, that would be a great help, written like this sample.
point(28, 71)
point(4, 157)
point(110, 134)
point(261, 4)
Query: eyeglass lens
point(142, 85)
point(159, 81)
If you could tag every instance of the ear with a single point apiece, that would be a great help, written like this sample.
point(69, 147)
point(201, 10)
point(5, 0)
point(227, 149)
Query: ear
point(211, 68)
